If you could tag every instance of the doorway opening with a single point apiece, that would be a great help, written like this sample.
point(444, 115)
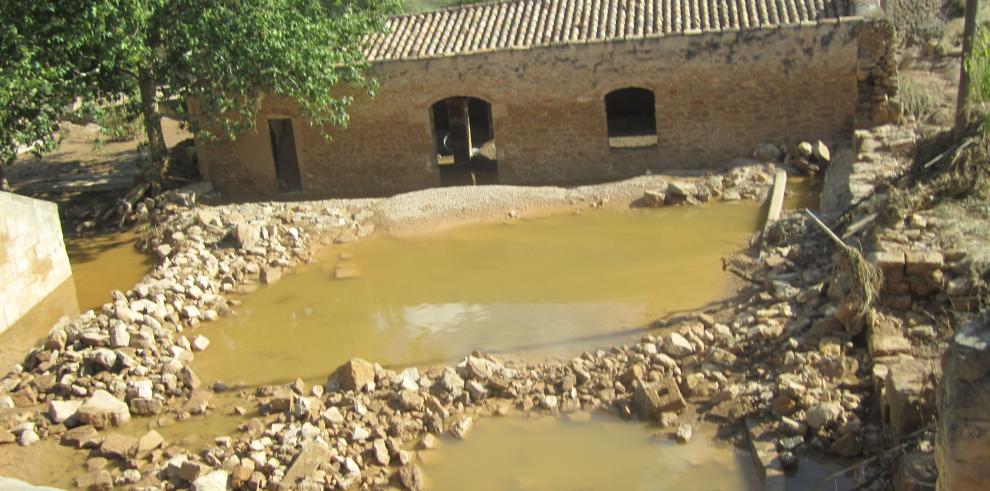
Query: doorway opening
point(287, 173)
point(464, 139)
point(631, 118)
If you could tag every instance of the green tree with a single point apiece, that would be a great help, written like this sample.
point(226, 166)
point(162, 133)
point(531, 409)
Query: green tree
point(224, 54)
point(45, 61)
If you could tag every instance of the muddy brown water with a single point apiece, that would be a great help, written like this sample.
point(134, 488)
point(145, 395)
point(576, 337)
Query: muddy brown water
point(105, 263)
point(99, 265)
point(549, 287)
point(803, 192)
point(598, 452)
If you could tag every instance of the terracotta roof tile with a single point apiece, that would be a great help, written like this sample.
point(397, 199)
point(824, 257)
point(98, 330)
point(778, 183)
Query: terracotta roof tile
point(521, 24)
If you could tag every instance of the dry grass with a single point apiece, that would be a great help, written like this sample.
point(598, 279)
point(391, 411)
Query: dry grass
point(860, 279)
point(915, 97)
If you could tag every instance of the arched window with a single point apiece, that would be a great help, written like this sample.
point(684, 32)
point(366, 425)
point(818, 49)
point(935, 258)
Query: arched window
point(632, 119)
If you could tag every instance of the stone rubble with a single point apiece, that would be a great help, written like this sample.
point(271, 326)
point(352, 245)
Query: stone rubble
point(780, 359)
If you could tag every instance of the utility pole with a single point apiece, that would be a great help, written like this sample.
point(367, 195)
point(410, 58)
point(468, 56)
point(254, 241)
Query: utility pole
point(969, 33)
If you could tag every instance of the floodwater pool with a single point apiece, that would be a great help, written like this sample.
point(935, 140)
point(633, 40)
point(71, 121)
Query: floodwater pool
point(550, 286)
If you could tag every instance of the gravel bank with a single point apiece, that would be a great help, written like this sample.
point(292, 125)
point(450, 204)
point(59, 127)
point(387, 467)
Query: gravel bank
point(438, 208)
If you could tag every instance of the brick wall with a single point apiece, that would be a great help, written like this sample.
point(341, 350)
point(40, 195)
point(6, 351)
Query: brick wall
point(33, 261)
point(717, 96)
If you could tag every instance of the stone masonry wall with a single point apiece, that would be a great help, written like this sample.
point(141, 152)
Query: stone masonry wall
point(33, 261)
point(962, 447)
point(717, 96)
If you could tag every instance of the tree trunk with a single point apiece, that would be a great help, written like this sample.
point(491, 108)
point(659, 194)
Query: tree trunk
point(4, 185)
point(152, 119)
point(969, 31)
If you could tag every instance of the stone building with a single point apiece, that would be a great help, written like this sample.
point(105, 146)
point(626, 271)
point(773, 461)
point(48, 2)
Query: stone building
point(567, 91)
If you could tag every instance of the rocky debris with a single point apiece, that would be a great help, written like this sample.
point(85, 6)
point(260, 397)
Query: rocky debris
point(653, 399)
point(781, 356)
point(356, 374)
point(119, 446)
point(411, 478)
point(309, 459)
point(213, 481)
point(461, 426)
point(823, 414)
point(100, 479)
point(61, 411)
point(103, 410)
point(27, 436)
point(84, 436)
point(809, 158)
point(742, 182)
point(150, 441)
point(684, 433)
point(678, 193)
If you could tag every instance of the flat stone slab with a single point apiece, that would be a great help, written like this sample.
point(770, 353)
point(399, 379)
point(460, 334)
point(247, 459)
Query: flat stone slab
point(312, 455)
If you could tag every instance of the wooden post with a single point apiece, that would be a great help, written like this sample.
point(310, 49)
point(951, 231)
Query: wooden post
point(460, 129)
point(969, 32)
point(776, 198)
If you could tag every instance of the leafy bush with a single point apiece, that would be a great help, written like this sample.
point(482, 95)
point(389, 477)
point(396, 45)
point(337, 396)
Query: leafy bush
point(118, 122)
point(979, 67)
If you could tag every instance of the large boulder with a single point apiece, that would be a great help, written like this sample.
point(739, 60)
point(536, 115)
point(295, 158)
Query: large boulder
point(103, 410)
point(650, 400)
point(356, 374)
point(245, 235)
point(680, 193)
point(820, 415)
point(60, 411)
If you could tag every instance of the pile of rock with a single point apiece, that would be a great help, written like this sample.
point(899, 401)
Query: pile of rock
point(740, 182)
point(132, 355)
point(807, 158)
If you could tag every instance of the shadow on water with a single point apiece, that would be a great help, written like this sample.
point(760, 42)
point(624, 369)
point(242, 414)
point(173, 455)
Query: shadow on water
point(103, 264)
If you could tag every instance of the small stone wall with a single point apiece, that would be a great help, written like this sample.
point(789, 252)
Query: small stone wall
point(876, 75)
point(33, 261)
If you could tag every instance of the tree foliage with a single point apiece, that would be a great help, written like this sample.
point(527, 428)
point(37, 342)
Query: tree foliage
point(224, 54)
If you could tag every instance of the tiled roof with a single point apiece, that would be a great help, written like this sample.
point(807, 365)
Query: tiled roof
point(519, 24)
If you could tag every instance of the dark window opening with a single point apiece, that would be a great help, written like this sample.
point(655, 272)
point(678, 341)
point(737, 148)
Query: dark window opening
point(464, 141)
point(631, 117)
point(287, 173)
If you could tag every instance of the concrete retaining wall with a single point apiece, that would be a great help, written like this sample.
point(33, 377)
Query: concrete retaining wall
point(33, 261)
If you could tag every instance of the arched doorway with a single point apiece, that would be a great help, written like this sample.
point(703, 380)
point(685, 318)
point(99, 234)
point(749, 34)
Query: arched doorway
point(464, 141)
